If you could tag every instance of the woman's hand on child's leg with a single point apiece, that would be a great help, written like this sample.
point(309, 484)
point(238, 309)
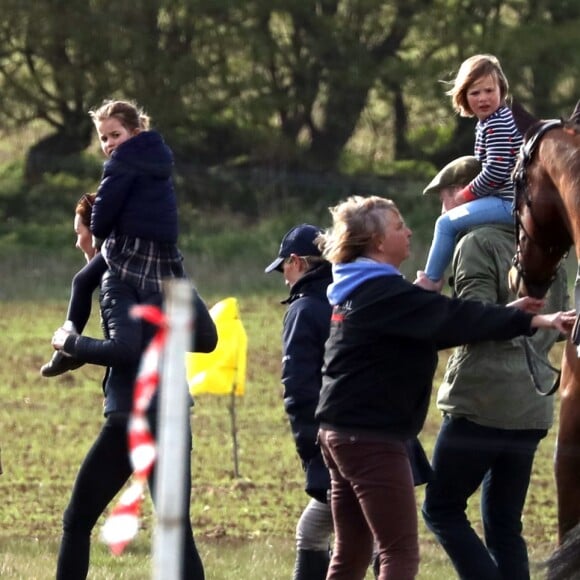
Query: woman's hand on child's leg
point(61, 334)
point(426, 283)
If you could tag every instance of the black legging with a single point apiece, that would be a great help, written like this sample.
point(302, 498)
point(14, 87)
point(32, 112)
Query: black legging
point(104, 471)
point(83, 285)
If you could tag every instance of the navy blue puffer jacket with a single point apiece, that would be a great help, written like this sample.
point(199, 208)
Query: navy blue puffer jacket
point(306, 328)
point(136, 196)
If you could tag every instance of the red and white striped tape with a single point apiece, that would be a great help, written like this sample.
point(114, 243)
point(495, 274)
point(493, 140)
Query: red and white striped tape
point(122, 525)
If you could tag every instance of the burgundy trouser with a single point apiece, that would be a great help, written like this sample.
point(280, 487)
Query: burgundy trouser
point(372, 498)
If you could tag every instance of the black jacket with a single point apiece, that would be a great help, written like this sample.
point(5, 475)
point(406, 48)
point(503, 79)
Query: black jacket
point(382, 352)
point(136, 196)
point(305, 330)
point(126, 338)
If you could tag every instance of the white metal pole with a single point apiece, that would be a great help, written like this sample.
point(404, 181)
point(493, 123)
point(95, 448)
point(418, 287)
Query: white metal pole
point(172, 434)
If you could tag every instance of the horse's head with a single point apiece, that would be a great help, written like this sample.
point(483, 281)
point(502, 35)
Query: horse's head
point(536, 259)
point(537, 255)
point(542, 238)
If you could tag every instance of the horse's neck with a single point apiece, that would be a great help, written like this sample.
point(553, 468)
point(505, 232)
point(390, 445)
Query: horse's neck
point(560, 158)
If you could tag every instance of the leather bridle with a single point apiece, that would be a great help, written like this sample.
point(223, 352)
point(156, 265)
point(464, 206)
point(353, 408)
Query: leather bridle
point(522, 197)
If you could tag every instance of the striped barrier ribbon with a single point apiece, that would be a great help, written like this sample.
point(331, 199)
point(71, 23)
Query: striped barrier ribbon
point(122, 524)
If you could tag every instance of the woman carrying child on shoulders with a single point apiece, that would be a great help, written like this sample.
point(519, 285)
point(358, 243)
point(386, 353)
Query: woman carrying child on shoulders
point(134, 216)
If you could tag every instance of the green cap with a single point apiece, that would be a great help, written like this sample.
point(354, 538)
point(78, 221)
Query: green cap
point(460, 171)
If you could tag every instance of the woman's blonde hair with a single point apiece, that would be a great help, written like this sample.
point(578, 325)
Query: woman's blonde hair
point(356, 223)
point(471, 70)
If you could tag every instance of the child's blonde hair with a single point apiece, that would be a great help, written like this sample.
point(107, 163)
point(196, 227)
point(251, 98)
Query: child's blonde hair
point(129, 114)
point(356, 223)
point(471, 70)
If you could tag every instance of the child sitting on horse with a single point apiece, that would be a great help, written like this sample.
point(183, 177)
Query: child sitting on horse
point(479, 90)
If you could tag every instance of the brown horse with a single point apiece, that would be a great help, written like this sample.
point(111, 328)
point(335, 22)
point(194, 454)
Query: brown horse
point(547, 216)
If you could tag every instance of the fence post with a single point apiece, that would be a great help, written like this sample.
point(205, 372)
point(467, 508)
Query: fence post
point(172, 434)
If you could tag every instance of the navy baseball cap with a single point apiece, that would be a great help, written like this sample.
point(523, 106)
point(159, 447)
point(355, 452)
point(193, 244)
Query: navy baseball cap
point(300, 241)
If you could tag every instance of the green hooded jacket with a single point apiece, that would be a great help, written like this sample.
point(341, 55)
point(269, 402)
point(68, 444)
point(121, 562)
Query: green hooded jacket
point(489, 382)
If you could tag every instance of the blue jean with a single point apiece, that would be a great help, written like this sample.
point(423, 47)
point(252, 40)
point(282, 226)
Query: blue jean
point(468, 455)
point(485, 210)
point(104, 471)
point(84, 283)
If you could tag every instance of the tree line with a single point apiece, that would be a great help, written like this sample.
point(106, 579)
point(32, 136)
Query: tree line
point(292, 84)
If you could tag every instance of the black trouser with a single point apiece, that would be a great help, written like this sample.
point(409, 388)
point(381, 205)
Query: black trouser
point(104, 471)
point(468, 457)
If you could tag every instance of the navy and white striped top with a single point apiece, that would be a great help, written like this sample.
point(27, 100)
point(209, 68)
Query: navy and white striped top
point(497, 144)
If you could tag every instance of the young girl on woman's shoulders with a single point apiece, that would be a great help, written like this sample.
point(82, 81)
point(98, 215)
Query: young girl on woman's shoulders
point(133, 218)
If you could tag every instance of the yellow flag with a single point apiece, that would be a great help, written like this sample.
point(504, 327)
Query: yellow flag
point(222, 371)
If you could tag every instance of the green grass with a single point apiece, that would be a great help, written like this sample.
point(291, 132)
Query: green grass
point(244, 526)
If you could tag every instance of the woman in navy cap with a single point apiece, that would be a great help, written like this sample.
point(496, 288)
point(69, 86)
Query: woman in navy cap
point(305, 330)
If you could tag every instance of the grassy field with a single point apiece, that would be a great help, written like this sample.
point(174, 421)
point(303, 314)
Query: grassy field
point(244, 526)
